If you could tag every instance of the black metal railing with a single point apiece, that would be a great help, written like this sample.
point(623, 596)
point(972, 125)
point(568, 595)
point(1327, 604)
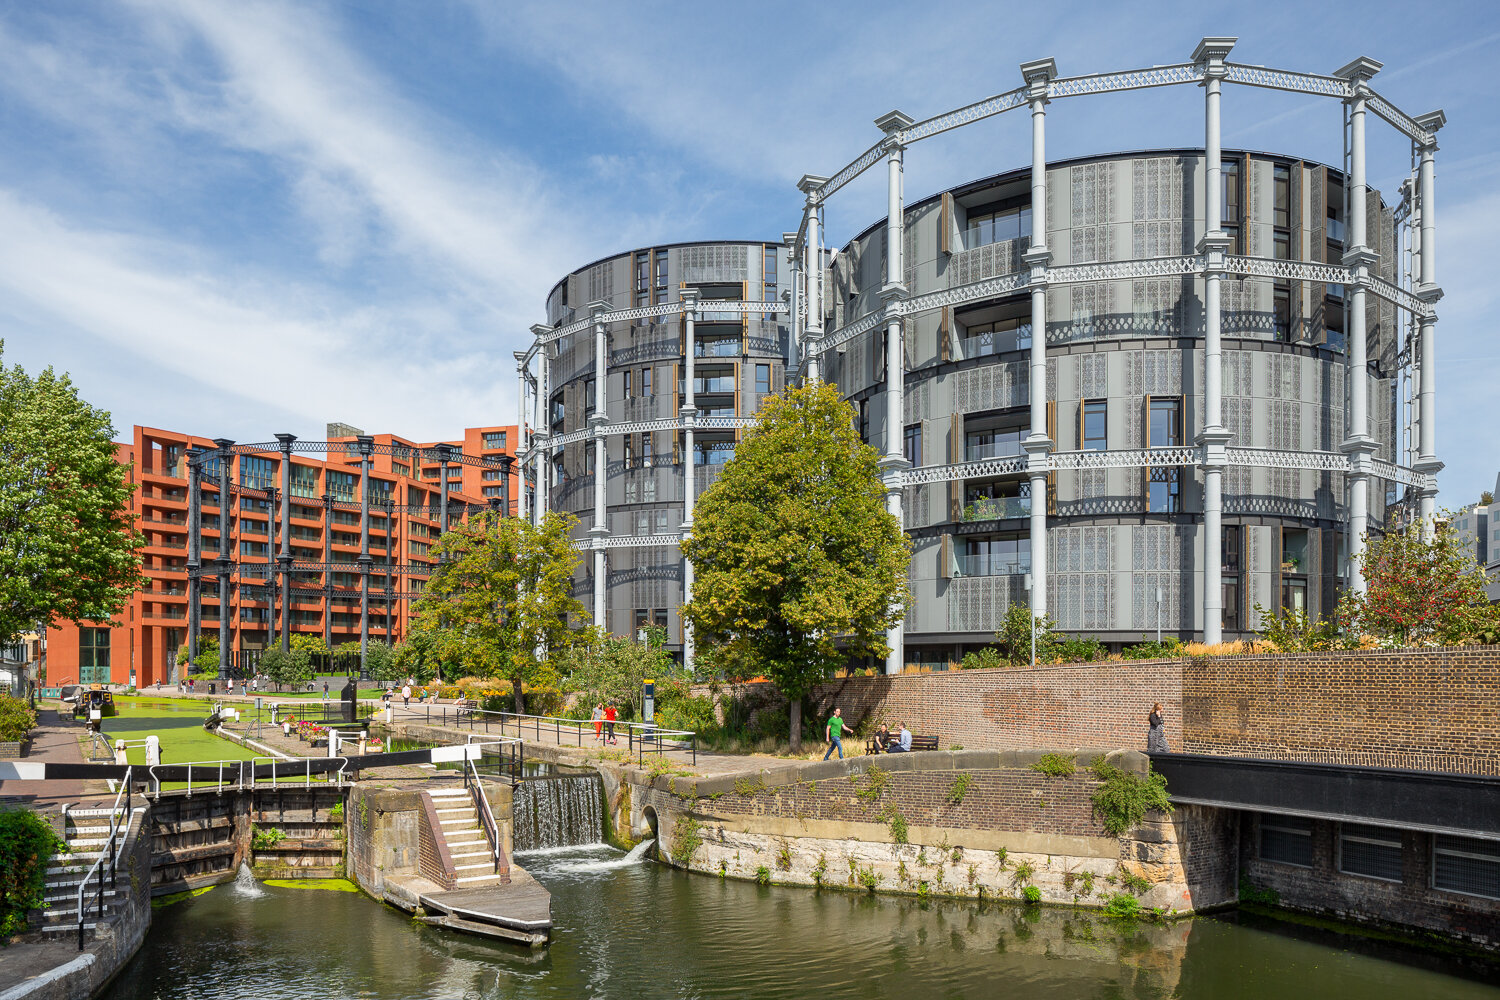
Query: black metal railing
point(641, 737)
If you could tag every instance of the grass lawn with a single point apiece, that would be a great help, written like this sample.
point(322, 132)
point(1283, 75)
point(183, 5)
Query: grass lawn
point(179, 726)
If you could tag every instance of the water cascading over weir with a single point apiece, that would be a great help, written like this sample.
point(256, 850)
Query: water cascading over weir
point(559, 810)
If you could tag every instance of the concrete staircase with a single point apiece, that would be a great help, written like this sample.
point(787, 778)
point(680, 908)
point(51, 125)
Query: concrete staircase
point(86, 832)
point(468, 845)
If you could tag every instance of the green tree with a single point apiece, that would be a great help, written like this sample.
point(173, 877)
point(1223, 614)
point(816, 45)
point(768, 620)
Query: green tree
point(1419, 591)
point(610, 669)
point(68, 543)
point(503, 592)
point(796, 559)
point(417, 654)
point(207, 643)
point(294, 668)
point(1486, 498)
point(314, 644)
point(380, 662)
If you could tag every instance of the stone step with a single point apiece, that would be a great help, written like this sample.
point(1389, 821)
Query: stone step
point(66, 893)
point(456, 809)
point(471, 867)
point(470, 880)
point(469, 854)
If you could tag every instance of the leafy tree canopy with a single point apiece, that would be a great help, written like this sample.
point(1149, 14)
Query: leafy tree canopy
point(609, 669)
point(1420, 591)
point(503, 591)
point(67, 539)
point(294, 668)
point(796, 559)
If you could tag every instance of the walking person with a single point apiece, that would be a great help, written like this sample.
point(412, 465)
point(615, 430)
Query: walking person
point(406, 696)
point(833, 733)
point(598, 720)
point(325, 690)
point(610, 715)
point(1156, 733)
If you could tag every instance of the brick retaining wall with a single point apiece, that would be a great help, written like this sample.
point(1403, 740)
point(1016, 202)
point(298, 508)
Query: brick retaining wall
point(1427, 709)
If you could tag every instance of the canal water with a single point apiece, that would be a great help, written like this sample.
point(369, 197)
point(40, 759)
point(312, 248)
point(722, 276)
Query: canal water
point(638, 930)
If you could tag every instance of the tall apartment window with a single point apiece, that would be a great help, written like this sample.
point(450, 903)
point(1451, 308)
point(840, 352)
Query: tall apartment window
point(1229, 560)
point(768, 273)
point(645, 381)
point(255, 472)
point(1286, 839)
point(661, 279)
point(559, 471)
point(1281, 311)
point(629, 451)
point(643, 271)
point(864, 421)
point(1231, 201)
point(588, 398)
point(491, 475)
point(1166, 423)
point(762, 378)
point(304, 481)
point(1372, 851)
point(93, 655)
point(1467, 865)
point(1166, 490)
point(341, 484)
point(625, 384)
point(646, 450)
point(1092, 435)
point(1281, 195)
point(558, 410)
point(494, 439)
point(911, 445)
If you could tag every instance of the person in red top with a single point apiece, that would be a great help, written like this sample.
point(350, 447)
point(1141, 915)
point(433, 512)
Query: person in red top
point(609, 724)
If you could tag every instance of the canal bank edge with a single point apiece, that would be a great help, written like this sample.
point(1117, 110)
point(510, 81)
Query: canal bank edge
point(964, 824)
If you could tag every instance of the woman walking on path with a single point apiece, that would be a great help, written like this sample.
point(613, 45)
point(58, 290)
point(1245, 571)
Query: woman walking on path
point(598, 720)
point(609, 724)
point(1156, 735)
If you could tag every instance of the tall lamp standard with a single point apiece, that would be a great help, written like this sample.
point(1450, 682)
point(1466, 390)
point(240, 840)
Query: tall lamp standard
point(1032, 630)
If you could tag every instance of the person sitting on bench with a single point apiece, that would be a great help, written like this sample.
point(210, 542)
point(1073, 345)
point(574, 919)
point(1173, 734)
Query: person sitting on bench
point(883, 739)
point(903, 745)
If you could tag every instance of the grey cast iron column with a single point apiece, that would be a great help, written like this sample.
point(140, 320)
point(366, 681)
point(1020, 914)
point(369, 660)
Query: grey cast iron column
point(195, 555)
point(445, 457)
point(690, 471)
point(1428, 291)
point(227, 517)
point(1214, 439)
point(522, 432)
point(812, 269)
point(1357, 443)
point(794, 305)
point(327, 565)
point(1038, 73)
point(541, 430)
point(365, 441)
point(284, 558)
point(271, 565)
point(893, 293)
point(600, 531)
point(390, 570)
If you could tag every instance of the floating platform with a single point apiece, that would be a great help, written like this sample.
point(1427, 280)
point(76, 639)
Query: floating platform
point(519, 912)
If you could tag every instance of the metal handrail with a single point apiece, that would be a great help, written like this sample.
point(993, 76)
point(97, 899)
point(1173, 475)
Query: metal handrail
point(110, 854)
point(558, 724)
point(482, 807)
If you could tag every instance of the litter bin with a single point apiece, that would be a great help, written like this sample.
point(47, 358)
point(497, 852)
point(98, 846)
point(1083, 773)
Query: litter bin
point(213, 689)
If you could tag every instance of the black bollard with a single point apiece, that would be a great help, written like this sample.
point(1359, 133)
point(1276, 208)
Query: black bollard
point(347, 699)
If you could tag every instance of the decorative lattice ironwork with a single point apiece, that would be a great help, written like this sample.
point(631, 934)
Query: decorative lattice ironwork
point(1131, 458)
point(1290, 270)
point(864, 162)
point(1403, 122)
point(990, 288)
point(1281, 79)
point(848, 332)
point(1401, 298)
point(1271, 458)
point(977, 111)
point(1400, 474)
point(1119, 270)
point(1135, 79)
point(965, 470)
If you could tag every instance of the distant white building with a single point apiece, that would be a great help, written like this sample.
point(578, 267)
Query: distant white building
point(1477, 527)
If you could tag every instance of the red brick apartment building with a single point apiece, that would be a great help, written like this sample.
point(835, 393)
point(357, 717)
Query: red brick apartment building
point(142, 644)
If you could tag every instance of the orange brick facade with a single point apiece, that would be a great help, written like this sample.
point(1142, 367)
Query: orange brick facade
point(144, 642)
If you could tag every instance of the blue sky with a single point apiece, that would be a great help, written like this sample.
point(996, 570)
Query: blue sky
point(245, 217)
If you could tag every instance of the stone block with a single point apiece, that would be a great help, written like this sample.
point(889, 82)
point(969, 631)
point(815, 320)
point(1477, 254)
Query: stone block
point(976, 760)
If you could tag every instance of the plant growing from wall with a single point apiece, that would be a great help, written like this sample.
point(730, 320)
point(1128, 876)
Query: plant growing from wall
point(1023, 873)
point(1032, 895)
point(960, 788)
point(798, 563)
point(869, 878)
point(1252, 893)
point(1134, 883)
point(27, 842)
point(819, 870)
point(895, 822)
point(686, 839)
point(1122, 906)
point(876, 780)
point(763, 875)
point(784, 857)
point(1055, 765)
point(747, 787)
point(1122, 799)
point(266, 838)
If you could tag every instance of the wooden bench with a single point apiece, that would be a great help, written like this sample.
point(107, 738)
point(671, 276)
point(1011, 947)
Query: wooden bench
point(917, 743)
point(465, 706)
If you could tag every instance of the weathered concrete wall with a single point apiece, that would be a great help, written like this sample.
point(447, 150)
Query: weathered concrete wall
point(1427, 709)
point(830, 823)
point(1411, 904)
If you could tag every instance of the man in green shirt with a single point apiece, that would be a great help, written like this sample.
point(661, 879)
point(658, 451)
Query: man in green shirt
point(834, 733)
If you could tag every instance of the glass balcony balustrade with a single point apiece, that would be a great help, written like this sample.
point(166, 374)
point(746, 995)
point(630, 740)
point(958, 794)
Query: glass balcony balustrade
point(994, 565)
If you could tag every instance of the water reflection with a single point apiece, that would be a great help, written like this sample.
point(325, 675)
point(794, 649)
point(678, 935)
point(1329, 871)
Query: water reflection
point(641, 930)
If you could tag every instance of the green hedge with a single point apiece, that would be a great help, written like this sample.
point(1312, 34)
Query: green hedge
point(16, 718)
point(26, 844)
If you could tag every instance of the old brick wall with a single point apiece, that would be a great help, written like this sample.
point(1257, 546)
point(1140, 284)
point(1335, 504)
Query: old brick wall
point(1410, 904)
point(1429, 709)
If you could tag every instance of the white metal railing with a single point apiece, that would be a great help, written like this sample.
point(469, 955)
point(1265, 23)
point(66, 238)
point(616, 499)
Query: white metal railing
point(110, 853)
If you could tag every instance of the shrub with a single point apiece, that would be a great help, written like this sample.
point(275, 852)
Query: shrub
point(1122, 906)
point(1055, 765)
point(819, 870)
point(1022, 873)
point(1133, 883)
point(1032, 895)
point(1169, 648)
point(876, 778)
point(987, 658)
point(686, 839)
point(1123, 798)
point(763, 875)
point(960, 787)
point(16, 718)
point(895, 822)
point(26, 844)
point(264, 840)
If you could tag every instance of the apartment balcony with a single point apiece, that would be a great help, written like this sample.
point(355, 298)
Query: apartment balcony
point(178, 471)
point(993, 565)
point(996, 508)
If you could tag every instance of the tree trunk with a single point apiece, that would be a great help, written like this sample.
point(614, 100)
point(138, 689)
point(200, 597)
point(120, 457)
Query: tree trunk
point(796, 724)
point(520, 697)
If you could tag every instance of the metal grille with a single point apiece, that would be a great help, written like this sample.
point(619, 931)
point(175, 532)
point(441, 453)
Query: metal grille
point(601, 282)
point(917, 402)
point(1093, 376)
point(1092, 209)
point(1467, 865)
point(1372, 851)
point(991, 387)
point(714, 263)
point(988, 261)
point(978, 604)
point(1287, 839)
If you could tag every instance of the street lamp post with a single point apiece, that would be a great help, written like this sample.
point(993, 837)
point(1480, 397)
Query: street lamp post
point(1032, 616)
point(1158, 616)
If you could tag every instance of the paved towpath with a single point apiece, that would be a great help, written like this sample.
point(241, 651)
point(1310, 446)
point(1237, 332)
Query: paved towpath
point(55, 740)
